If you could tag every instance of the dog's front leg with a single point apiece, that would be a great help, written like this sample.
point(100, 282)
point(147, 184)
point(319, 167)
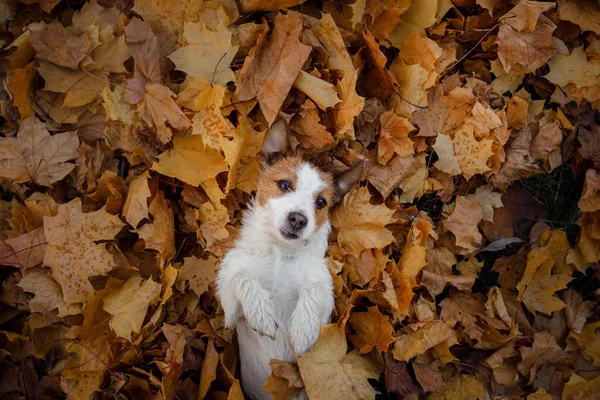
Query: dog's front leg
point(256, 305)
point(315, 303)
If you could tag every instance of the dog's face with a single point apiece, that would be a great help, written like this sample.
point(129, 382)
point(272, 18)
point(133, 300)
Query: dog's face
point(295, 195)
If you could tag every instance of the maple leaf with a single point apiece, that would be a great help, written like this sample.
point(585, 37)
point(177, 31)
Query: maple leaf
point(34, 155)
point(488, 200)
point(71, 229)
point(525, 14)
point(135, 208)
point(360, 224)
point(585, 13)
point(198, 273)
point(463, 221)
point(285, 381)
point(129, 303)
point(208, 52)
point(308, 131)
point(438, 272)
point(158, 107)
point(242, 155)
point(530, 49)
point(160, 234)
point(445, 113)
point(393, 137)
point(55, 44)
point(387, 178)
point(176, 337)
point(472, 154)
point(209, 369)
point(544, 351)
point(48, 294)
point(327, 371)
point(201, 163)
point(537, 287)
point(273, 65)
point(372, 331)
point(80, 87)
point(424, 51)
point(366, 268)
point(420, 337)
point(574, 69)
point(590, 144)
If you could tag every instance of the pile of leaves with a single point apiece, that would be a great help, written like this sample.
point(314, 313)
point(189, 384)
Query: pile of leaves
point(465, 263)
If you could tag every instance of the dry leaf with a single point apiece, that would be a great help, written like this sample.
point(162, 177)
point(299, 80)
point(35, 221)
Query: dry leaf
point(372, 331)
point(463, 221)
point(160, 234)
point(273, 65)
point(361, 225)
point(57, 45)
point(197, 274)
point(393, 137)
point(135, 208)
point(37, 156)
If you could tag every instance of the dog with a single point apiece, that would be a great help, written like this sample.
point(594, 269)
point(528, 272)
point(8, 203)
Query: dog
point(274, 285)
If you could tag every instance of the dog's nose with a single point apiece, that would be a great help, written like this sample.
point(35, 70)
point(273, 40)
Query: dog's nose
point(297, 221)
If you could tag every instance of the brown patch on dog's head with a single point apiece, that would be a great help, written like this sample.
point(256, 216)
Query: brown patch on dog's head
point(283, 169)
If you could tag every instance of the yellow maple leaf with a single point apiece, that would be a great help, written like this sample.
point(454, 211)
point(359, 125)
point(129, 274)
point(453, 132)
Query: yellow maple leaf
point(361, 225)
point(21, 85)
point(393, 137)
point(71, 229)
point(285, 381)
point(462, 387)
point(208, 53)
point(158, 107)
point(321, 92)
point(372, 331)
point(538, 285)
point(190, 161)
point(350, 106)
point(198, 273)
point(420, 337)
point(328, 372)
point(48, 295)
point(129, 304)
point(472, 154)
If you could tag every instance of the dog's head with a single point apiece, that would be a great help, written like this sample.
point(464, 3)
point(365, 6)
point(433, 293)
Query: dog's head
point(296, 195)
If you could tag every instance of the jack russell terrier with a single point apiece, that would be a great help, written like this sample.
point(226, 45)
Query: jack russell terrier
point(274, 285)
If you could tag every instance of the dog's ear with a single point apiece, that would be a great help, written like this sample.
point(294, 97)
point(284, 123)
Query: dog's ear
point(276, 143)
point(346, 180)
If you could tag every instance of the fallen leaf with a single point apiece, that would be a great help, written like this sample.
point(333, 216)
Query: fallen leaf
point(273, 65)
point(578, 388)
point(57, 45)
point(186, 151)
point(544, 351)
point(525, 14)
point(463, 387)
point(209, 370)
point(21, 85)
point(590, 198)
point(321, 92)
point(350, 106)
point(530, 49)
point(472, 154)
point(393, 137)
point(160, 234)
point(285, 381)
point(48, 294)
point(537, 287)
point(158, 108)
point(372, 331)
point(128, 305)
point(208, 53)
point(71, 229)
point(34, 155)
point(327, 371)
point(437, 274)
point(135, 208)
point(198, 273)
point(360, 224)
point(463, 221)
point(585, 13)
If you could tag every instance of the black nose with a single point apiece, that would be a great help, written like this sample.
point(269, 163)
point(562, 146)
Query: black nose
point(297, 221)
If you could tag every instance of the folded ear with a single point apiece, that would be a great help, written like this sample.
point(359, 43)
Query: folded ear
point(276, 143)
point(346, 180)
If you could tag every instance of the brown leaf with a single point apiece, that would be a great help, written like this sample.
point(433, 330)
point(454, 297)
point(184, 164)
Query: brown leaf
point(55, 44)
point(160, 234)
point(438, 272)
point(135, 208)
point(420, 337)
point(37, 156)
point(198, 273)
point(590, 143)
point(71, 229)
point(273, 65)
point(209, 369)
point(361, 225)
point(48, 294)
point(544, 351)
point(585, 13)
point(21, 85)
point(372, 331)
point(393, 137)
point(525, 14)
point(463, 221)
point(590, 198)
point(285, 381)
point(328, 372)
point(530, 49)
point(128, 305)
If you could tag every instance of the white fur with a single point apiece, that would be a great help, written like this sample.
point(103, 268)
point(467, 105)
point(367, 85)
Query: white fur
point(277, 293)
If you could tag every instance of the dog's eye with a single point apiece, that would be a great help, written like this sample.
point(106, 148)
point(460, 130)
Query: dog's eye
point(320, 203)
point(284, 185)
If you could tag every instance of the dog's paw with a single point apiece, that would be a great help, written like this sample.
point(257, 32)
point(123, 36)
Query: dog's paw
point(302, 342)
point(264, 323)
